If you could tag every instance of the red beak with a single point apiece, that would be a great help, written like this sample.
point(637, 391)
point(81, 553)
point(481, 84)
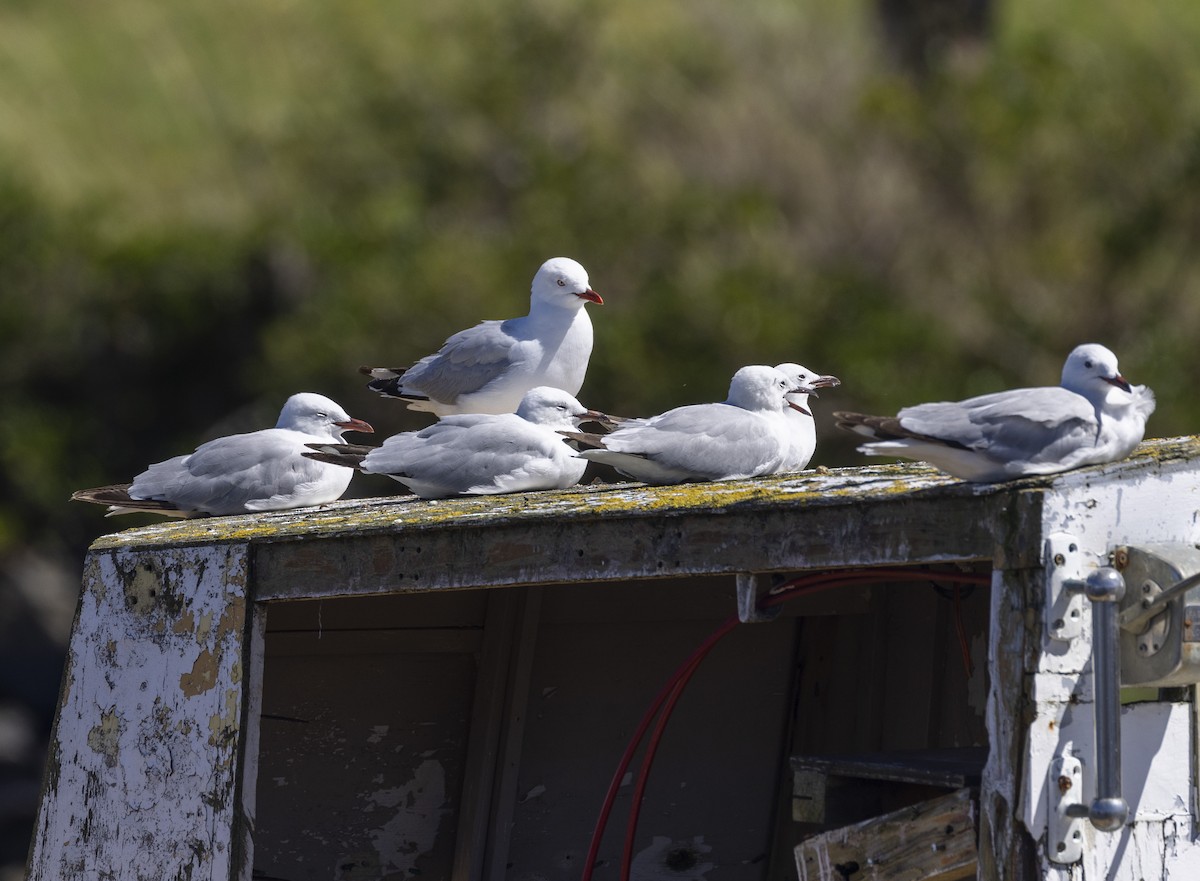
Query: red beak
point(592, 296)
point(356, 425)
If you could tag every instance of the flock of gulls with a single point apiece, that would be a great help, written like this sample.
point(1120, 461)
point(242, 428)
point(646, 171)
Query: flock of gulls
point(508, 421)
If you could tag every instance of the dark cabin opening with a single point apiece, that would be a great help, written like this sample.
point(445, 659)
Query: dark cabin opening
point(465, 734)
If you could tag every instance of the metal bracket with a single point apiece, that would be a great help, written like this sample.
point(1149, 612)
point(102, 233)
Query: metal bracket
point(749, 594)
point(1064, 607)
point(1064, 841)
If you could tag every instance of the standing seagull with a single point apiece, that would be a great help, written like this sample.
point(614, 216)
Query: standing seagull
point(259, 471)
point(802, 427)
point(1095, 416)
point(479, 453)
point(747, 435)
point(489, 367)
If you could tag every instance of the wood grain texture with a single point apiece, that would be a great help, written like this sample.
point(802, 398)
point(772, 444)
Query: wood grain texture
point(930, 841)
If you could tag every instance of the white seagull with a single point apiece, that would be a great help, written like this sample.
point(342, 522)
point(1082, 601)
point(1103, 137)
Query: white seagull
point(803, 428)
point(480, 453)
point(1095, 416)
point(489, 367)
point(259, 471)
point(747, 435)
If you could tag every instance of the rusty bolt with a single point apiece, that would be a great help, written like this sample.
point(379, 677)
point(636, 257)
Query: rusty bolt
point(1064, 784)
point(1121, 558)
point(1059, 559)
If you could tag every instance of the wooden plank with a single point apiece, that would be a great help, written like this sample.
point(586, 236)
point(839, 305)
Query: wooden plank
point(931, 841)
point(952, 768)
point(501, 635)
point(486, 554)
point(453, 640)
point(1007, 850)
point(512, 737)
point(144, 771)
point(363, 760)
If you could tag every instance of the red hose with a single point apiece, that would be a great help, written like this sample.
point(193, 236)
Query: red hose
point(670, 693)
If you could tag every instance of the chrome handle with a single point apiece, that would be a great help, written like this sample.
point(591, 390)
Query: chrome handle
point(1105, 587)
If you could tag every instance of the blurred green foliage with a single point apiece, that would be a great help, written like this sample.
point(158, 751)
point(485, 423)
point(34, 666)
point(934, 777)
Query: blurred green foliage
point(207, 207)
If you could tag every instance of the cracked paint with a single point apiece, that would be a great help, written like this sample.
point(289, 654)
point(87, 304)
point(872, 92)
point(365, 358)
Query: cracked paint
point(150, 721)
point(104, 737)
point(413, 828)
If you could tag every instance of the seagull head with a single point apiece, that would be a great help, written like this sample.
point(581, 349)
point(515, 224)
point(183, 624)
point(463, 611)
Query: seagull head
point(553, 407)
point(1091, 370)
point(807, 383)
point(318, 415)
point(762, 388)
point(563, 281)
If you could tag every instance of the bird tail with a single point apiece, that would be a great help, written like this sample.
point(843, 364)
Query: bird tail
point(119, 500)
point(389, 382)
point(347, 455)
point(877, 427)
point(584, 440)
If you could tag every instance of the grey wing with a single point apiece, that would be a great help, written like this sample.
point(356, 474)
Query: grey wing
point(226, 474)
point(712, 439)
point(464, 453)
point(468, 361)
point(1029, 425)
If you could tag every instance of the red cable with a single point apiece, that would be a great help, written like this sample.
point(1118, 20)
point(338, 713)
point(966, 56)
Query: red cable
point(643, 778)
point(673, 689)
point(960, 628)
point(627, 757)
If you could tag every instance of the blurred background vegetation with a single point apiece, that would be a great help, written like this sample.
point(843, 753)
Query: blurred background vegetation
point(205, 207)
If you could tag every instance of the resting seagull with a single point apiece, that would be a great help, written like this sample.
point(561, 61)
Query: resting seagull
point(479, 453)
point(260, 471)
point(489, 367)
point(747, 435)
point(1095, 416)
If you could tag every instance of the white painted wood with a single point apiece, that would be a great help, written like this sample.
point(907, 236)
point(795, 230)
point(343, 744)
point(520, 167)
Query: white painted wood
point(1157, 740)
point(143, 779)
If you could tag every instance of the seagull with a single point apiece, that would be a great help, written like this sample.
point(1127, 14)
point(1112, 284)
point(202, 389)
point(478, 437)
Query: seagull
point(800, 419)
point(479, 453)
point(1095, 416)
point(489, 367)
point(258, 471)
point(747, 435)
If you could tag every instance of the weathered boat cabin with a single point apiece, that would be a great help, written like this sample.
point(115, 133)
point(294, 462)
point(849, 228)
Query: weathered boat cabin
point(862, 673)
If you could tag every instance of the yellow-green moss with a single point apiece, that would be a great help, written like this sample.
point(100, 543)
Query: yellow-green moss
point(402, 513)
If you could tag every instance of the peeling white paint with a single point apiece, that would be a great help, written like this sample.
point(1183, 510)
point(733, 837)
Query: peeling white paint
point(536, 791)
point(1156, 761)
point(413, 828)
point(144, 775)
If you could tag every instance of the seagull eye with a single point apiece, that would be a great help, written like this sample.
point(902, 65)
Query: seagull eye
point(561, 283)
point(322, 415)
point(1088, 364)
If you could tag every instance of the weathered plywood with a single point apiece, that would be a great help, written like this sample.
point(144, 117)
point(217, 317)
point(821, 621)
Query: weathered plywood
point(1042, 703)
point(144, 779)
point(866, 516)
point(930, 841)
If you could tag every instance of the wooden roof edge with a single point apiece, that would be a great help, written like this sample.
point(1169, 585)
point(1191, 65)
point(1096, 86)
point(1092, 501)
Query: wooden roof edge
point(829, 488)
